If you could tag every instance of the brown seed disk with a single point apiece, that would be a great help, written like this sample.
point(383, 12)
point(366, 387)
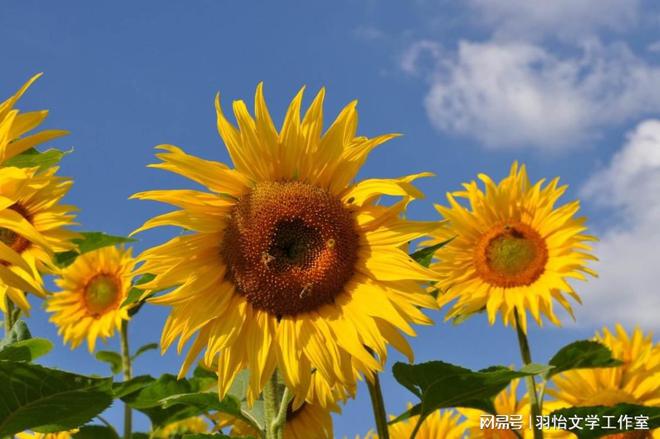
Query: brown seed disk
point(290, 247)
point(511, 255)
point(12, 239)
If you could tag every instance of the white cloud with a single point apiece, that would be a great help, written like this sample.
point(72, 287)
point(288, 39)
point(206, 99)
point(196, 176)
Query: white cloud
point(417, 53)
point(628, 289)
point(563, 19)
point(516, 94)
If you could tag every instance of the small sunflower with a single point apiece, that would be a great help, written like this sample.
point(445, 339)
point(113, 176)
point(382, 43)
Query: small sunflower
point(445, 424)
point(177, 429)
point(14, 126)
point(512, 250)
point(32, 227)
point(93, 289)
point(309, 421)
point(636, 381)
point(288, 264)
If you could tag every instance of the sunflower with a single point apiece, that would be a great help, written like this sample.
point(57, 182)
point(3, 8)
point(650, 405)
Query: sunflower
point(58, 435)
point(15, 125)
point(287, 263)
point(445, 424)
point(31, 220)
point(93, 289)
point(309, 421)
point(636, 381)
point(512, 250)
point(192, 425)
point(33, 226)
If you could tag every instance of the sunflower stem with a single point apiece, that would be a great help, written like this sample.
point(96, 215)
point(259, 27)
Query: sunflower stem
point(280, 420)
point(128, 374)
point(378, 405)
point(9, 316)
point(526, 355)
point(270, 405)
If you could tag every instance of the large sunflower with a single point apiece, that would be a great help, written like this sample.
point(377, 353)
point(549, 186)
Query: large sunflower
point(31, 221)
point(445, 424)
point(636, 381)
point(93, 289)
point(512, 250)
point(287, 264)
point(32, 227)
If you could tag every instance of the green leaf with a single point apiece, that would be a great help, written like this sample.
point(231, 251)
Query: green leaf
point(424, 256)
point(602, 413)
point(18, 332)
point(33, 158)
point(583, 354)
point(131, 386)
point(96, 432)
point(145, 348)
point(135, 294)
point(38, 398)
point(64, 259)
point(26, 350)
point(112, 358)
point(147, 399)
point(441, 385)
point(205, 402)
point(87, 242)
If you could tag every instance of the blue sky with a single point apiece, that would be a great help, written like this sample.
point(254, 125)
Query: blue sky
point(571, 88)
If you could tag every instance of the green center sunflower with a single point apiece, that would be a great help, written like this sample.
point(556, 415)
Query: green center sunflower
point(290, 247)
point(12, 239)
point(511, 255)
point(102, 293)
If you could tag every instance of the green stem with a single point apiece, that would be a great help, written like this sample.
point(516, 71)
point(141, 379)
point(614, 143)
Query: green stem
point(526, 355)
point(270, 405)
point(279, 422)
point(9, 316)
point(128, 374)
point(378, 405)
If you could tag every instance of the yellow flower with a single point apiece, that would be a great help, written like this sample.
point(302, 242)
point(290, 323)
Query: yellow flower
point(186, 426)
point(636, 381)
point(445, 424)
point(512, 249)
point(58, 435)
point(309, 421)
point(93, 289)
point(32, 228)
point(288, 264)
point(15, 125)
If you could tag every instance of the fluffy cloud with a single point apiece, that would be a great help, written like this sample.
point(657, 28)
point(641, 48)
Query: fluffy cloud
point(564, 19)
point(510, 94)
point(628, 288)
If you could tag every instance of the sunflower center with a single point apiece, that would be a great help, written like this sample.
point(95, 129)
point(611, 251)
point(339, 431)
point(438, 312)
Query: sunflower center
point(289, 247)
point(511, 255)
point(102, 293)
point(12, 239)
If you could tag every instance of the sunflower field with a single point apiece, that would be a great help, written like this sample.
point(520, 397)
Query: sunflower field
point(287, 280)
